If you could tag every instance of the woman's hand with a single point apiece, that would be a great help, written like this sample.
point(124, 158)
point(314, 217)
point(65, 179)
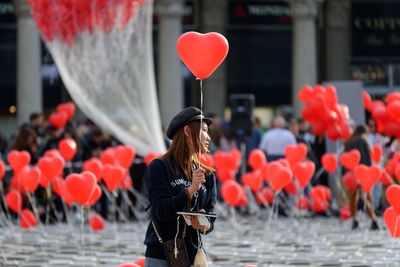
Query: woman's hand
point(197, 179)
point(196, 225)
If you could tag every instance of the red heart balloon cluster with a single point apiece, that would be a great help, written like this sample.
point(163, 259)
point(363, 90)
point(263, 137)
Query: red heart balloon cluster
point(386, 115)
point(63, 19)
point(324, 113)
point(202, 53)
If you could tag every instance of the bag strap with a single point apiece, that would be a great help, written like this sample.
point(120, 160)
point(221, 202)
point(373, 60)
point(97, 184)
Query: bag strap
point(184, 229)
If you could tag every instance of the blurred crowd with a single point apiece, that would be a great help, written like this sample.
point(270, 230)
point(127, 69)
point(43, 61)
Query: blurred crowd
point(38, 136)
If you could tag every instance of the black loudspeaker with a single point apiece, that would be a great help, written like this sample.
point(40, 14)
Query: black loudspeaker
point(242, 106)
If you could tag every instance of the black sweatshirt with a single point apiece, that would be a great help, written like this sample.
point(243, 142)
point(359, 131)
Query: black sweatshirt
point(166, 190)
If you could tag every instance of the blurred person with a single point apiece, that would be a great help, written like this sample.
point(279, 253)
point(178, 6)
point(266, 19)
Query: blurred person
point(3, 146)
point(93, 143)
point(228, 141)
point(26, 139)
point(375, 138)
point(275, 140)
point(51, 138)
point(358, 140)
point(304, 134)
point(215, 132)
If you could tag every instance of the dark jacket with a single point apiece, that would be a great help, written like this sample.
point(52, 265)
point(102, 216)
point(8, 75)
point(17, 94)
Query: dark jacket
point(362, 146)
point(167, 195)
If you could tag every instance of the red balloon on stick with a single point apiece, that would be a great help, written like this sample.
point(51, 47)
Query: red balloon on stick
point(18, 160)
point(28, 219)
point(29, 178)
point(295, 153)
point(125, 155)
point(58, 119)
point(392, 220)
point(376, 153)
point(345, 212)
point(329, 161)
point(14, 201)
point(69, 107)
point(257, 159)
point(304, 171)
point(231, 192)
point(350, 181)
point(95, 166)
point(96, 222)
point(393, 196)
point(81, 186)
point(140, 261)
point(350, 159)
point(202, 53)
point(67, 147)
point(112, 176)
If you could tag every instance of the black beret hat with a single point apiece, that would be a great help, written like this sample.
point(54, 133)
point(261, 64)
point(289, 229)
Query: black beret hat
point(184, 117)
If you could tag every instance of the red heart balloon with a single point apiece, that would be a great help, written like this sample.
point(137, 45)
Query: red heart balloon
point(393, 196)
point(96, 222)
point(67, 147)
point(376, 153)
point(295, 153)
point(58, 119)
point(303, 203)
point(2, 169)
point(66, 195)
point(95, 166)
point(320, 193)
point(320, 206)
point(140, 261)
point(231, 192)
point(49, 169)
point(394, 109)
point(95, 196)
point(278, 176)
point(350, 159)
point(385, 178)
point(125, 155)
point(366, 100)
point(126, 182)
point(202, 53)
point(81, 186)
point(57, 184)
point(329, 161)
point(367, 176)
point(225, 175)
point(112, 176)
point(108, 156)
point(69, 107)
point(150, 156)
point(243, 199)
point(257, 159)
point(253, 180)
point(28, 219)
point(392, 220)
point(305, 93)
point(14, 201)
point(265, 196)
point(226, 161)
point(350, 181)
point(303, 171)
point(345, 212)
point(18, 160)
point(291, 188)
point(29, 178)
point(16, 184)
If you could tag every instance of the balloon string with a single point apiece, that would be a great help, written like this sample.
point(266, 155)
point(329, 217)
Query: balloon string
point(201, 118)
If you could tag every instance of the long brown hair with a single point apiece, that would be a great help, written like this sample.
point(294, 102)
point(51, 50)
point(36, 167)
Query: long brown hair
point(180, 152)
point(358, 132)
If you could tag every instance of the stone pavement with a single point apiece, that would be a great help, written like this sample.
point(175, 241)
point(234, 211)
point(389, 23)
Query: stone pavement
point(281, 242)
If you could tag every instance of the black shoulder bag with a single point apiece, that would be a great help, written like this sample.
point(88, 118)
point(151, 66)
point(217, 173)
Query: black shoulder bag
point(175, 249)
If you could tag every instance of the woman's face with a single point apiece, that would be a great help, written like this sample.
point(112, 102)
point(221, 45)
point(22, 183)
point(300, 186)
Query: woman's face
point(205, 138)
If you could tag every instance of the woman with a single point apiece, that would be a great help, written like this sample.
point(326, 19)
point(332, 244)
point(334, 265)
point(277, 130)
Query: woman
point(359, 141)
point(176, 183)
